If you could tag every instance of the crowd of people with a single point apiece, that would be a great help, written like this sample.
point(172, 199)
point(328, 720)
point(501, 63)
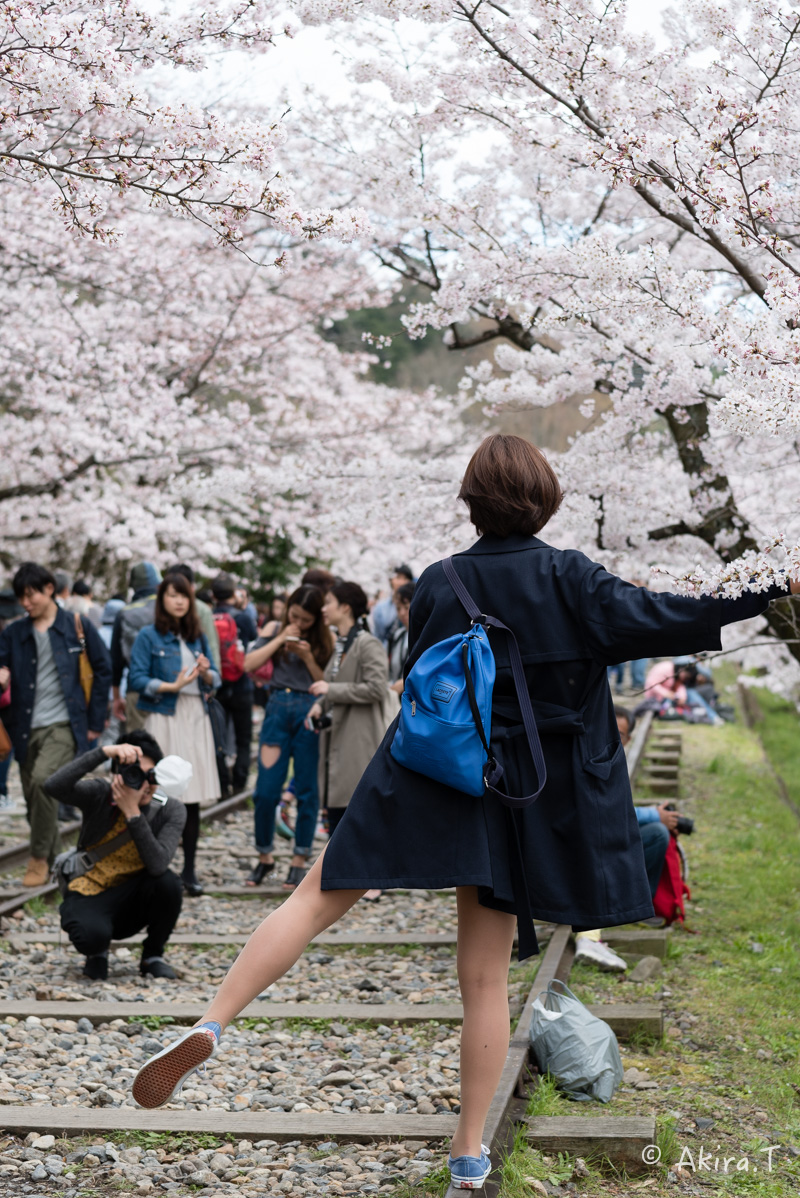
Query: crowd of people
point(95, 697)
point(179, 672)
point(681, 688)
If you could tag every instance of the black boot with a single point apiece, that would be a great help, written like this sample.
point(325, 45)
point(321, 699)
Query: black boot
point(96, 968)
point(156, 967)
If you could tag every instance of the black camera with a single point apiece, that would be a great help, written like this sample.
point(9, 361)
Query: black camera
point(685, 825)
point(133, 775)
point(320, 722)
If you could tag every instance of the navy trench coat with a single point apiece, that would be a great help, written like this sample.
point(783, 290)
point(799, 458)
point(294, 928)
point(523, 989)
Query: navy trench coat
point(581, 850)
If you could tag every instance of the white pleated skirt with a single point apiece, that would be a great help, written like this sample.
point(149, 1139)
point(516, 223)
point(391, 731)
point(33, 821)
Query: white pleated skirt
point(188, 734)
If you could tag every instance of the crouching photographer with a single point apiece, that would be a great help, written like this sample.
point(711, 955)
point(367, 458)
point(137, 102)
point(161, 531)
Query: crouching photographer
point(118, 881)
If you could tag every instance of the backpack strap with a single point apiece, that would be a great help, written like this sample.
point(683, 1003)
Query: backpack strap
point(518, 671)
point(90, 857)
point(79, 631)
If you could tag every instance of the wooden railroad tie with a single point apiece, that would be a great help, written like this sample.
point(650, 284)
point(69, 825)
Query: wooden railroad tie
point(626, 1019)
point(620, 1138)
point(660, 786)
point(247, 1125)
point(644, 942)
point(662, 771)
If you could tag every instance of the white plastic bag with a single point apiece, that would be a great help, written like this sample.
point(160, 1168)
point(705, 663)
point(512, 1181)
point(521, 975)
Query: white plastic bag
point(577, 1048)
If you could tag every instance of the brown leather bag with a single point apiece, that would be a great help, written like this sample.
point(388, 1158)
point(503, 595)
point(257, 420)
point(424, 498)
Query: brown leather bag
point(84, 665)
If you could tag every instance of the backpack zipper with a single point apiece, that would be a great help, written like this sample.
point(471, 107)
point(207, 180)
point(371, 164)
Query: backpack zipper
point(413, 706)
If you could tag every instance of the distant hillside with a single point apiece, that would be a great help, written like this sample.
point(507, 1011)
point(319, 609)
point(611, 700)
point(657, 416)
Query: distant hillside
point(417, 364)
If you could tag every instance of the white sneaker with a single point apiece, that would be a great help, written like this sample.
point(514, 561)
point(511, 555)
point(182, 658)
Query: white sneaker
point(7, 803)
point(598, 953)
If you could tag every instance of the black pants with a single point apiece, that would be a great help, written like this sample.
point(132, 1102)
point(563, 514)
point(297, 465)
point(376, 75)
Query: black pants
point(92, 921)
point(237, 702)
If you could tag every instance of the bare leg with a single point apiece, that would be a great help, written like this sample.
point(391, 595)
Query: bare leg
point(485, 941)
point(278, 942)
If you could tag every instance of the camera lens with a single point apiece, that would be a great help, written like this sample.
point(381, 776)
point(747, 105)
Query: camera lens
point(133, 776)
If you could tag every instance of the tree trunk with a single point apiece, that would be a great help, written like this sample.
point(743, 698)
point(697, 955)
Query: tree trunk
point(712, 492)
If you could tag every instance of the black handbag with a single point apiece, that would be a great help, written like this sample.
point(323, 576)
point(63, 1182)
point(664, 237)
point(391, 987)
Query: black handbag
point(219, 729)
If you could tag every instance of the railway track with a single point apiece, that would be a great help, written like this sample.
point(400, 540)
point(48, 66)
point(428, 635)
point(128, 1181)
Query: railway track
point(429, 1013)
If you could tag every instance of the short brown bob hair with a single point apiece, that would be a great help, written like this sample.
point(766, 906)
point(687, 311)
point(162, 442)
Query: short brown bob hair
point(510, 487)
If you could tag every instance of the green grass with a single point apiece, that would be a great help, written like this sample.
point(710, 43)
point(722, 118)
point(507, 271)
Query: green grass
point(780, 735)
point(433, 1186)
point(523, 1164)
point(256, 1023)
point(546, 1099)
point(321, 1026)
point(152, 1022)
point(667, 1141)
point(175, 1144)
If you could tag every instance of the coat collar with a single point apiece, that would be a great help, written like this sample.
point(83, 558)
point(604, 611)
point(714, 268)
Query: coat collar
point(516, 543)
point(169, 635)
point(63, 621)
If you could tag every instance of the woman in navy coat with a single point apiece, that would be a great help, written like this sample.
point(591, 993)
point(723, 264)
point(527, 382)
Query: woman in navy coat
point(574, 856)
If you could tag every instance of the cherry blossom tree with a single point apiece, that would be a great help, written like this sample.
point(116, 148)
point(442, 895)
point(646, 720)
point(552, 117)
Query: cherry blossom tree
point(80, 121)
point(163, 380)
point(151, 404)
point(622, 218)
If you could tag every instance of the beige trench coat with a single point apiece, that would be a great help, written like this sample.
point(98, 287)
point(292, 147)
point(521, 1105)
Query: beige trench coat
point(361, 707)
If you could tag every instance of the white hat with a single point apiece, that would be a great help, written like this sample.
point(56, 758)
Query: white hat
point(173, 776)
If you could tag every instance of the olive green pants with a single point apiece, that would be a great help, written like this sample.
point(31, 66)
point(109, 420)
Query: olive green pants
point(134, 718)
point(48, 749)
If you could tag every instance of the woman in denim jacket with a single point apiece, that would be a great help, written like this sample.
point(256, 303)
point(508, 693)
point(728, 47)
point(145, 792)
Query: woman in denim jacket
point(170, 659)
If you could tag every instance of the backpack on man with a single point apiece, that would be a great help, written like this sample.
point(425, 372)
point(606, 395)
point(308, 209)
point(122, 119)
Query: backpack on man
point(672, 891)
point(231, 649)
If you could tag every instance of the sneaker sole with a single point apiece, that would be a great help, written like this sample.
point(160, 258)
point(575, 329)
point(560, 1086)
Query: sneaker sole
point(477, 1183)
point(157, 1081)
point(469, 1183)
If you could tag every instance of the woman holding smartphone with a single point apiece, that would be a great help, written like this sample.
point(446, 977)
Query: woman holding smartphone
point(169, 662)
point(299, 648)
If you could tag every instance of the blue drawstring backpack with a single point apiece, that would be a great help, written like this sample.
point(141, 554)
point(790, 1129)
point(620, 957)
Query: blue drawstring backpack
point(446, 708)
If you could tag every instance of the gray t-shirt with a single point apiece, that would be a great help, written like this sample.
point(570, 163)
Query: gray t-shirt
point(289, 670)
point(49, 704)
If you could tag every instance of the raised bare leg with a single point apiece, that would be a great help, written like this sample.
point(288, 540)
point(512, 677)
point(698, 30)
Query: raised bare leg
point(485, 941)
point(278, 942)
point(271, 950)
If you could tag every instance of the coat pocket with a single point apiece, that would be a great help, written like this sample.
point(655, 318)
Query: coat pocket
point(603, 763)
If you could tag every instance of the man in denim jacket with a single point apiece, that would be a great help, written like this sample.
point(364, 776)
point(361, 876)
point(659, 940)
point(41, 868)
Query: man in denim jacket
point(48, 718)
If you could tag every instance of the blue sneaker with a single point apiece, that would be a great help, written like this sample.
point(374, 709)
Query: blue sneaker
point(470, 1172)
point(161, 1078)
